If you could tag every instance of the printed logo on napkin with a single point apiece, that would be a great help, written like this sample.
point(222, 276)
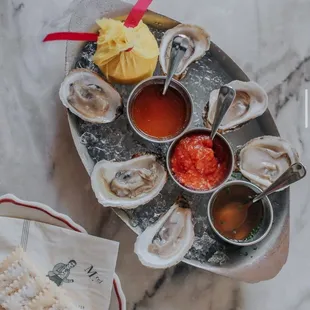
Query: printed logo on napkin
point(81, 264)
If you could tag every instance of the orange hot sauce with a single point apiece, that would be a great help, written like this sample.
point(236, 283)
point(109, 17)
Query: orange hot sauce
point(158, 115)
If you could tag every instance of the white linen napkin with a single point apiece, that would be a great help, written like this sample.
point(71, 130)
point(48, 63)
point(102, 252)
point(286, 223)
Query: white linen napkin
point(81, 264)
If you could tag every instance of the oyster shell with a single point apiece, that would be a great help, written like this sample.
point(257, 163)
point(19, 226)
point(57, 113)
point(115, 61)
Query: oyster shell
point(250, 102)
point(165, 243)
point(262, 160)
point(128, 184)
point(89, 97)
point(199, 44)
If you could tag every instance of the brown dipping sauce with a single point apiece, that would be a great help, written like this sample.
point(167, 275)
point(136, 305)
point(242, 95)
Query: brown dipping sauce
point(159, 115)
point(229, 196)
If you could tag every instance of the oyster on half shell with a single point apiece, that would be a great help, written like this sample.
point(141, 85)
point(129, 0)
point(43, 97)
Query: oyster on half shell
point(263, 159)
point(90, 97)
point(128, 184)
point(250, 102)
point(199, 44)
point(165, 243)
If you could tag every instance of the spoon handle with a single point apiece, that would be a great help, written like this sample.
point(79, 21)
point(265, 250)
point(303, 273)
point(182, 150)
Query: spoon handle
point(225, 99)
point(293, 174)
point(179, 46)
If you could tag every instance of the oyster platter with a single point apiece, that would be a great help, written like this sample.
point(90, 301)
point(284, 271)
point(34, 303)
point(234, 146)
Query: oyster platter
point(150, 156)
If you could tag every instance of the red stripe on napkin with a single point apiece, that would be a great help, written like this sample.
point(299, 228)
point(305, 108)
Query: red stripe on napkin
point(73, 36)
point(137, 13)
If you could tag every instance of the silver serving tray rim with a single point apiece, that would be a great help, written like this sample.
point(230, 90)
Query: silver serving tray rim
point(261, 268)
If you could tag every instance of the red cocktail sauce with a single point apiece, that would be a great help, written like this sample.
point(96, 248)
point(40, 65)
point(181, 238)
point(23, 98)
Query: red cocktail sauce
point(199, 163)
point(159, 115)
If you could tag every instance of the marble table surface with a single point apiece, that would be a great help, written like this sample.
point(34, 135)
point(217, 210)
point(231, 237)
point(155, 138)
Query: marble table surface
point(38, 161)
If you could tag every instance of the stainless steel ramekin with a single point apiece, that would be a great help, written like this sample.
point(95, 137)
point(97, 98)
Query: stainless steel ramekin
point(264, 226)
point(206, 132)
point(160, 80)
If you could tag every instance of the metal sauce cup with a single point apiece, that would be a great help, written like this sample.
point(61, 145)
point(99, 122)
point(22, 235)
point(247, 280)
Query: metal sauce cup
point(204, 131)
point(160, 80)
point(264, 226)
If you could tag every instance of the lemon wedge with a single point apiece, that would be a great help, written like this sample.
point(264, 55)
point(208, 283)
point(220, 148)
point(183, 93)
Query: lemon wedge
point(125, 55)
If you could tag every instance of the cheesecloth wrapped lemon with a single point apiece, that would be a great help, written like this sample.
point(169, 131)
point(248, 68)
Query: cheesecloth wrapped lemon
point(125, 55)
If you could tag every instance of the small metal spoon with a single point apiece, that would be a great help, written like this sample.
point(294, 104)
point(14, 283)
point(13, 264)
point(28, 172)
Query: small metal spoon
point(235, 213)
point(225, 99)
point(179, 46)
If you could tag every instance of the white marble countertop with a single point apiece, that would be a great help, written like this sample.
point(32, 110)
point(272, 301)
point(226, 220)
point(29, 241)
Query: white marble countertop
point(269, 40)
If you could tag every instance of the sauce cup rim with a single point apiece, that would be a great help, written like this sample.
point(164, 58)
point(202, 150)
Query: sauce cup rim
point(141, 133)
point(231, 241)
point(188, 132)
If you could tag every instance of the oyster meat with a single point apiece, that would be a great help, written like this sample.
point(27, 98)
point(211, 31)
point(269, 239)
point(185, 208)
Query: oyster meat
point(262, 160)
point(199, 44)
point(250, 102)
point(133, 182)
point(165, 243)
point(128, 184)
point(89, 97)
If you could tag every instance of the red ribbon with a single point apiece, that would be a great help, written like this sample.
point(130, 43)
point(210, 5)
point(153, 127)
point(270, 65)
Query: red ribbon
point(131, 21)
point(73, 36)
point(137, 13)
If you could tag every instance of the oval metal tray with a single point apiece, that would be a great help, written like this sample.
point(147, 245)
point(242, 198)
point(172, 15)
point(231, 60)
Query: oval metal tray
point(116, 141)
